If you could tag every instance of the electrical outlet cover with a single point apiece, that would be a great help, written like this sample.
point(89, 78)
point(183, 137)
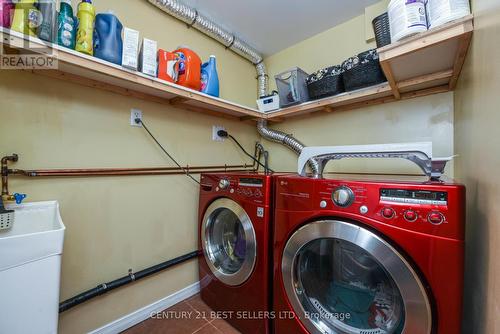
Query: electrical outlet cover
point(215, 136)
point(134, 114)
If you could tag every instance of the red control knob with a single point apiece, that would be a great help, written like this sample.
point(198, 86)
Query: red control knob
point(435, 218)
point(410, 216)
point(388, 213)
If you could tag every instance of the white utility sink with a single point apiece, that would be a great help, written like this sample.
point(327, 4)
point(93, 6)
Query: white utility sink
point(30, 266)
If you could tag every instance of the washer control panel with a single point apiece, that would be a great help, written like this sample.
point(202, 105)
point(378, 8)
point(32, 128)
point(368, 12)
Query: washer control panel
point(248, 188)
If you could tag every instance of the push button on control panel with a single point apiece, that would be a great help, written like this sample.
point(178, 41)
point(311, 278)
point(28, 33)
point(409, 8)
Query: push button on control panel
point(388, 213)
point(410, 216)
point(435, 218)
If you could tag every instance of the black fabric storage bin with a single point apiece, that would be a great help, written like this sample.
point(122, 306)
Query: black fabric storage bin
point(328, 86)
point(362, 71)
point(364, 75)
point(325, 82)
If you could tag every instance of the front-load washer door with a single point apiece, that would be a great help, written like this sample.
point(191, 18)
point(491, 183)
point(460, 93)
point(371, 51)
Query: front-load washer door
point(341, 278)
point(228, 241)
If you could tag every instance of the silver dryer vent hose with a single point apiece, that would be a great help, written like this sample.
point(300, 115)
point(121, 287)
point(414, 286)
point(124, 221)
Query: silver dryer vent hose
point(287, 140)
point(193, 18)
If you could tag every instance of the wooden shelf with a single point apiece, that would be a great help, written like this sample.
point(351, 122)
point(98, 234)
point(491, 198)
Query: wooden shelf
point(427, 63)
point(93, 72)
point(430, 59)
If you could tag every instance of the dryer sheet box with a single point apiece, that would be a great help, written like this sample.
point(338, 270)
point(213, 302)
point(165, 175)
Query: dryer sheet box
point(130, 55)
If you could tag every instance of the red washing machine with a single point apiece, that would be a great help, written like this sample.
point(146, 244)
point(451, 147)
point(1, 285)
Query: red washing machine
point(235, 235)
point(358, 254)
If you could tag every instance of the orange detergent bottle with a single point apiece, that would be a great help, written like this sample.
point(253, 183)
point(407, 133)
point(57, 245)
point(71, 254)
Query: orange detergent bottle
point(168, 68)
point(189, 68)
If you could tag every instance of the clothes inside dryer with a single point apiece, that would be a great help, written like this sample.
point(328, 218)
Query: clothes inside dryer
point(345, 290)
point(226, 240)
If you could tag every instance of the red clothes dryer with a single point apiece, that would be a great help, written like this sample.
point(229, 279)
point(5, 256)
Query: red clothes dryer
point(358, 254)
point(235, 235)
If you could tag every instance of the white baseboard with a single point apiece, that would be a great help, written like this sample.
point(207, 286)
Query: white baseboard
point(144, 313)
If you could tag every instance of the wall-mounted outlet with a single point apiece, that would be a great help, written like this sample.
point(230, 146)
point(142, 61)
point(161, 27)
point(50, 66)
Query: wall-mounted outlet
point(135, 114)
point(215, 136)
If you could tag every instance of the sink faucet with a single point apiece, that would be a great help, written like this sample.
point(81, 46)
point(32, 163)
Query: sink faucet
point(6, 196)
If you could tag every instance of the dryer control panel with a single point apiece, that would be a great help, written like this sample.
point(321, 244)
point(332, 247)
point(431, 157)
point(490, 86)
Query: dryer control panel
point(428, 207)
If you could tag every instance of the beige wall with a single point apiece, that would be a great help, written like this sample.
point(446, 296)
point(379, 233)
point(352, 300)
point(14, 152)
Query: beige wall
point(477, 117)
point(114, 224)
point(118, 223)
point(424, 119)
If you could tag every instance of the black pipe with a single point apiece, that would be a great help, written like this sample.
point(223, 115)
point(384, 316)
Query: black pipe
point(132, 277)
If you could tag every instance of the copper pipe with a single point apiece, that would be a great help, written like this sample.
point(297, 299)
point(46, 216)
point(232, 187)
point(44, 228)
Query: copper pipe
point(132, 173)
point(5, 172)
point(129, 171)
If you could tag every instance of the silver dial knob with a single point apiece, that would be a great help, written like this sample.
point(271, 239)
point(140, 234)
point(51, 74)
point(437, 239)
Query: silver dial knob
point(224, 183)
point(343, 197)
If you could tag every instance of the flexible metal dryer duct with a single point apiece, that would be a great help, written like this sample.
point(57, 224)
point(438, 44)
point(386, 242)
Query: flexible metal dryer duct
point(287, 140)
point(195, 19)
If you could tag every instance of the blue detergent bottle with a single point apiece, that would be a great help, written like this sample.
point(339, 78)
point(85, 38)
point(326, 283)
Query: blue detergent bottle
point(108, 42)
point(209, 78)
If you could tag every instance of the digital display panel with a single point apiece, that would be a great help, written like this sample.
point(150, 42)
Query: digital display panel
point(415, 194)
point(251, 182)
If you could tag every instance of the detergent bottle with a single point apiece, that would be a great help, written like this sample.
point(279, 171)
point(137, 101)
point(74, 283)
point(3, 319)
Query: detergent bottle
point(48, 11)
point(66, 31)
point(27, 17)
point(108, 42)
point(85, 32)
point(168, 68)
point(189, 68)
point(6, 10)
point(209, 78)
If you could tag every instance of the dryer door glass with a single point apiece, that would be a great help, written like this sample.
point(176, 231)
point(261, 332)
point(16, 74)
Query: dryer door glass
point(347, 288)
point(345, 279)
point(229, 242)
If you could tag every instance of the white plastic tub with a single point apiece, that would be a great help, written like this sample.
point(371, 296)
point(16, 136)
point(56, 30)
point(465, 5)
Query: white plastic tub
point(30, 268)
point(443, 11)
point(406, 18)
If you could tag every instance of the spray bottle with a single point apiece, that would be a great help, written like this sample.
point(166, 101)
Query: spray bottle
point(85, 33)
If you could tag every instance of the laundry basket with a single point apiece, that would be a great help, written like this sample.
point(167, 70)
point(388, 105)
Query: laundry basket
point(292, 87)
